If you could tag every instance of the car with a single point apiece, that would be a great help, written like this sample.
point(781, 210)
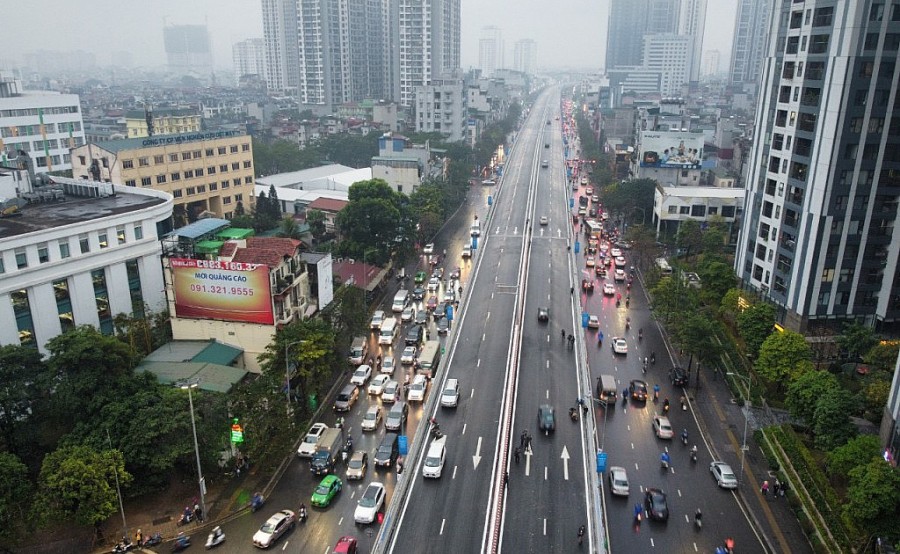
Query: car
point(467, 251)
point(545, 164)
point(593, 322)
point(624, 244)
point(543, 314)
point(274, 527)
point(414, 336)
point(546, 418)
point(587, 285)
point(408, 314)
point(418, 293)
point(609, 289)
point(434, 284)
point(408, 356)
point(328, 488)
point(308, 446)
point(455, 272)
point(546, 145)
point(592, 212)
point(662, 427)
point(346, 398)
point(371, 501)
point(590, 261)
point(377, 320)
point(679, 377)
point(438, 273)
point(723, 474)
point(600, 271)
point(656, 505)
point(387, 365)
point(619, 346)
point(417, 389)
point(361, 375)
point(620, 262)
point(432, 303)
point(434, 459)
point(584, 180)
point(421, 317)
point(619, 275)
point(589, 191)
point(618, 481)
point(372, 419)
point(420, 277)
point(345, 545)
point(376, 387)
point(615, 252)
point(357, 465)
point(595, 198)
point(544, 220)
point(391, 390)
point(638, 390)
point(450, 394)
point(429, 248)
point(450, 296)
point(443, 326)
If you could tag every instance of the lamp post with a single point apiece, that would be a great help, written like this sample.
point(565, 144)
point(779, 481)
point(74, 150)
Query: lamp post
point(287, 373)
point(192, 384)
point(749, 381)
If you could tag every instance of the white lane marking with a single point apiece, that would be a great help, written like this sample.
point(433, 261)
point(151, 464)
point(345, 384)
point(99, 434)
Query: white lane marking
point(443, 521)
point(454, 472)
point(476, 459)
point(465, 426)
point(565, 459)
point(527, 462)
point(545, 527)
point(478, 363)
point(548, 361)
point(483, 337)
point(546, 473)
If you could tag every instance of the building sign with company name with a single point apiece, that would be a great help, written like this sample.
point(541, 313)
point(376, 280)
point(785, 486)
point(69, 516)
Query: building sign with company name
point(189, 137)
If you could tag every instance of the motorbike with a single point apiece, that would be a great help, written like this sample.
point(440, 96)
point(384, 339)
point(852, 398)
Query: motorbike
point(684, 437)
point(257, 502)
point(628, 324)
point(186, 518)
point(694, 454)
point(215, 538)
point(436, 431)
point(653, 357)
point(153, 540)
point(303, 514)
point(698, 520)
point(573, 414)
point(666, 407)
point(181, 543)
point(664, 462)
point(125, 545)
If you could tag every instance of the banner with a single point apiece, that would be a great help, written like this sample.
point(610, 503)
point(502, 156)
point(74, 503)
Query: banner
point(671, 149)
point(229, 291)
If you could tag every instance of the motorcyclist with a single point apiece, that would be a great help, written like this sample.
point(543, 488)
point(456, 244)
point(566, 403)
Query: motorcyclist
point(653, 357)
point(641, 333)
point(666, 405)
point(573, 413)
point(684, 436)
point(665, 459)
point(187, 514)
point(638, 511)
point(302, 511)
point(656, 392)
point(581, 534)
point(698, 517)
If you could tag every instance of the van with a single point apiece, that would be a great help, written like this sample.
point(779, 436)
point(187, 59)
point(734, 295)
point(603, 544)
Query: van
point(358, 350)
point(377, 320)
point(607, 391)
point(401, 299)
point(476, 229)
point(450, 394)
point(396, 417)
point(388, 450)
point(389, 330)
point(434, 459)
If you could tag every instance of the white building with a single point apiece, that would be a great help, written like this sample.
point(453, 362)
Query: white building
point(490, 50)
point(673, 57)
point(429, 38)
point(441, 108)
point(525, 56)
point(298, 189)
point(42, 124)
point(674, 204)
point(249, 57)
point(81, 253)
point(691, 23)
point(282, 52)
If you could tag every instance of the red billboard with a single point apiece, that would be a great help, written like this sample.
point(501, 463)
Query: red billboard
point(230, 291)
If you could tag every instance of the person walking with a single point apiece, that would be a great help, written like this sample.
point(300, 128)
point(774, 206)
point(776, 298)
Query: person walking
point(522, 439)
point(776, 489)
point(765, 488)
point(518, 454)
point(528, 442)
point(784, 488)
point(506, 479)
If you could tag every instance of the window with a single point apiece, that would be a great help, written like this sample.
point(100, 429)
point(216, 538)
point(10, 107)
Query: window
point(221, 150)
point(238, 197)
point(684, 210)
point(211, 170)
point(226, 200)
point(796, 20)
point(233, 149)
point(245, 147)
point(807, 122)
point(728, 211)
point(130, 183)
point(84, 243)
point(190, 191)
point(236, 182)
point(213, 186)
point(64, 249)
point(105, 162)
point(823, 17)
point(160, 179)
point(877, 12)
point(774, 162)
point(177, 193)
point(781, 118)
point(235, 166)
point(764, 231)
point(248, 180)
point(127, 164)
point(815, 70)
point(189, 174)
point(185, 156)
point(201, 189)
point(103, 240)
point(144, 162)
point(871, 42)
point(82, 160)
point(247, 164)
point(793, 44)
point(2, 267)
point(673, 209)
point(176, 176)
point(209, 152)
point(818, 44)
point(173, 157)
point(146, 181)
point(160, 159)
point(198, 172)
point(225, 184)
point(196, 154)
point(788, 71)
point(223, 168)
point(138, 232)
point(777, 141)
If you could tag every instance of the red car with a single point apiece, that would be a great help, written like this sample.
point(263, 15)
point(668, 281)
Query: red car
point(345, 545)
point(432, 303)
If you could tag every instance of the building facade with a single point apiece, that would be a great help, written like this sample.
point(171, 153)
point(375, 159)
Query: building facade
point(818, 239)
point(281, 46)
point(441, 108)
point(249, 58)
point(204, 172)
point(44, 125)
point(87, 253)
point(428, 39)
point(748, 46)
point(490, 50)
point(188, 50)
point(672, 56)
point(525, 56)
point(165, 121)
point(630, 21)
point(692, 22)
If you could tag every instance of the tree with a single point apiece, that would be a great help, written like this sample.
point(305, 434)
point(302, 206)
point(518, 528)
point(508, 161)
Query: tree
point(858, 451)
point(21, 371)
point(755, 324)
point(689, 237)
point(696, 334)
point(289, 228)
point(873, 498)
point(883, 356)
point(713, 241)
point(856, 339)
point(78, 483)
point(729, 308)
point(803, 393)
point(782, 356)
point(717, 279)
point(15, 498)
point(831, 420)
point(875, 396)
point(316, 221)
point(372, 220)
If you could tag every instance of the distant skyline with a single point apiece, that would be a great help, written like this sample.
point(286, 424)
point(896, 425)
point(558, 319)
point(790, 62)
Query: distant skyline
point(573, 36)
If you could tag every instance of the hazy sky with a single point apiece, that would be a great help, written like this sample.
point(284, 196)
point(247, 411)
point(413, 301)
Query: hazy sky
point(567, 32)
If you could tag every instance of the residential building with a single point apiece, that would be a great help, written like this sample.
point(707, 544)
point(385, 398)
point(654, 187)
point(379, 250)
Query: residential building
point(204, 172)
point(249, 58)
point(281, 46)
point(188, 50)
point(43, 125)
point(441, 108)
point(672, 56)
point(428, 45)
point(673, 204)
point(691, 23)
point(630, 21)
point(525, 56)
point(165, 121)
point(750, 41)
point(818, 238)
point(890, 421)
point(711, 61)
point(81, 253)
point(402, 164)
point(331, 207)
point(490, 50)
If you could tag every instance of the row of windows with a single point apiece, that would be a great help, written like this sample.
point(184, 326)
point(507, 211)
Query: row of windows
point(701, 210)
point(185, 156)
point(49, 128)
point(63, 251)
point(32, 112)
point(198, 172)
point(161, 179)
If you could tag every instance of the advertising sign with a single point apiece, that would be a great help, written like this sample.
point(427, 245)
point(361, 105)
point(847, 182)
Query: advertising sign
point(671, 149)
point(230, 291)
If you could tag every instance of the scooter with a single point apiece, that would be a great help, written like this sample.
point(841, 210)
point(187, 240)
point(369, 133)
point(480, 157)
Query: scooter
point(694, 455)
point(302, 514)
point(154, 540)
point(125, 545)
point(181, 543)
point(215, 538)
point(186, 518)
point(257, 502)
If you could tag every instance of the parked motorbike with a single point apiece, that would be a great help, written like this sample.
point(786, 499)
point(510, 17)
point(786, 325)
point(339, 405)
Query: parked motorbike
point(215, 538)
point(186, 518)
point(125, 545)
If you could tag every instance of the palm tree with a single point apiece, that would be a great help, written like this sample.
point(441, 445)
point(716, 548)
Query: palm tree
point(289, 228)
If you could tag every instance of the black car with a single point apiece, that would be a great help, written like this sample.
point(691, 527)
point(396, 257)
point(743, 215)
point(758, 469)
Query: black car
point(656, 505)
point(638, 390)
point(443, 326)
point(418, 293)
point(679, 377)
point(415, 336)
point(421, 317)
point(546, 418)
point(543, 314)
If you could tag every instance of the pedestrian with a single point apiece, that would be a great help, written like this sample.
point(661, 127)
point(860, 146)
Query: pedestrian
point(506, 479)
point(784, 488)
point(776, 489)
point(528, 442)
point(765, 488)
point(518, 454)
point(198, 513)
point(522, 439)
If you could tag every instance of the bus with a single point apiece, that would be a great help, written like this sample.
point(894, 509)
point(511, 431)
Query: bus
point(429, 358)
point(663, 266)
point(594, 229)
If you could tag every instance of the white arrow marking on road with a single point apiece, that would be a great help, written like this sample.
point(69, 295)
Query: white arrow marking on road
point(477, 457)
point(565, 459)
point(527, 462)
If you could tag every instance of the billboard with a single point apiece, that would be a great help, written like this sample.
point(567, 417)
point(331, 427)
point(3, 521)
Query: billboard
point(671, 149)
point(229, 291)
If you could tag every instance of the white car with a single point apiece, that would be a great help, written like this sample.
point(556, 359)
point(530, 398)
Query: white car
point(662, 427)
point(370, 502)
point(620, 262)
point(620, 275)
point(361, 375)
point(429, 248)
point(417, 389)
point(593, 322)
point(273, 528)
point(377, 320)
point(387, 365)
point(434, 459)
point(376, 387)
point(434, 284)
point(308, 446)
point(609, 289)
point(450, 394)
point(467, 251)
point(724, 475)
point(618, 481)
point(408, 356)
point(544, 220)
point(615, 252)
point(408, 313)
point(372, 419)
point(619, 345)
point(391, 391)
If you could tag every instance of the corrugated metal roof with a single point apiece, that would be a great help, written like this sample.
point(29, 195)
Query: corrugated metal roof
point(199, 228)
point(218, 353)
point(210, 377)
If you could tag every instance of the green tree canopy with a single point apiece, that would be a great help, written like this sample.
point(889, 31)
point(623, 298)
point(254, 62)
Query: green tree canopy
point(858, 451)
point(696, 334)
point(883, 356)
point(15, 498)
point(875, 396)
point(689, 237)
point(803, 393)
point(21, 372)
point(783, 356)
point(729, 308)
point(831, 420)
point(717, 278)
point(874, 497)
point(316, 221)
point(755, 324)
point(856, 339)
point(371, 221)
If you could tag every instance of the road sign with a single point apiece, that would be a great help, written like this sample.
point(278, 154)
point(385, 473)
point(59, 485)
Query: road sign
point(601, 462)
point(403, 445)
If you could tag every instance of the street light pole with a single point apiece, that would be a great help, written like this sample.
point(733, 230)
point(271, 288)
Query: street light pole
point(191, 385)
point(749, 382)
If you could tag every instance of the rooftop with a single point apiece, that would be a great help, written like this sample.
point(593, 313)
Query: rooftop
point(164, 140)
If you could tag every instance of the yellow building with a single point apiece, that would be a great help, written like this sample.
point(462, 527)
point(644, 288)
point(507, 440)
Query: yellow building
point(205, 172)
point(173, 121)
